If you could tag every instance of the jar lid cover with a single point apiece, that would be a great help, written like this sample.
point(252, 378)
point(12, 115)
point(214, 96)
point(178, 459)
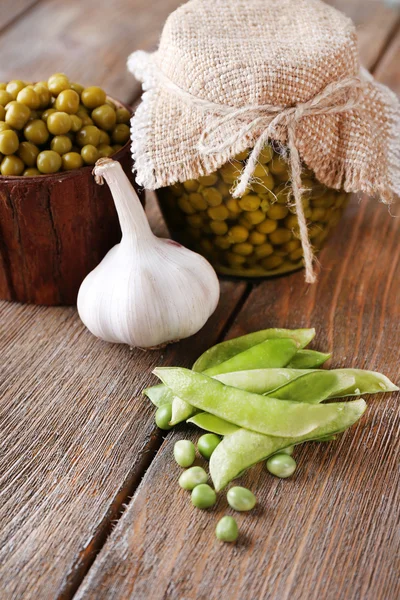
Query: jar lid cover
point(230, 71)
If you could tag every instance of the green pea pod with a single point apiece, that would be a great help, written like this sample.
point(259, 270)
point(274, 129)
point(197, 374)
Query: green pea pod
point(308, 359)
point(274, 352)
point(228, 349)
point(262, 414)
point(213, 424)
point(260, 381)
point(270, 353)
point(242, 449)
point(159, 395)
point(315, 386)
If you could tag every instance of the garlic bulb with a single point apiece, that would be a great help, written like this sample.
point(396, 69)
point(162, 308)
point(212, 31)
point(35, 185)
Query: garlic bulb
point(147, 291)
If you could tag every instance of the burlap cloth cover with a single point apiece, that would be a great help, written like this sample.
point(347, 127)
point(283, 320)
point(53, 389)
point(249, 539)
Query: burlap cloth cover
point(229, 74)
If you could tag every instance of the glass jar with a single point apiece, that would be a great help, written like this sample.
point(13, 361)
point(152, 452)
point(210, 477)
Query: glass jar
point(256, 235)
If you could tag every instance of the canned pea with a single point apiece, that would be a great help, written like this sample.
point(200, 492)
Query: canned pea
point(256, 235)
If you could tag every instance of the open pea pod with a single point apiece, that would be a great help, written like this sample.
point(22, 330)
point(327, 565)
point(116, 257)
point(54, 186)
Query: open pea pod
point(308, 359)
point(230, 348)
point(270, 353)
point(274, 352)
point(242, 449)
point(213, 424)
point(282, 418)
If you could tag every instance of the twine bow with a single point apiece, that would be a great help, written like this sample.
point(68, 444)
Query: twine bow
point(334, 98)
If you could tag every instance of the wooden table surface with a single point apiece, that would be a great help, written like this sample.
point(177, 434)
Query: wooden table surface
point(89, 501)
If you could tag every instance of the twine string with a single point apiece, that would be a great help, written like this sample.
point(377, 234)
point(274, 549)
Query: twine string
point(263, 120)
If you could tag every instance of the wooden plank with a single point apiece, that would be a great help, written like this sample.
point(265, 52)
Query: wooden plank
point(75, 438)
point(331, 531)
point(375, 23)
point(87, 40)
point(13, 9)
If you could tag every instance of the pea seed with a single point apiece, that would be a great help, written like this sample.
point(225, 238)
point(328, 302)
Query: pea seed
point(198, 201)
point(281, 465)
point(267, 183)
point(186, 206)
point(317, 214)
point(164, 416)
point(222, 242)
point(219, 227)
point(212, 196)
point(267, 226)
point(277, 211)
point(257, 238)
point(244, 249)
point(263, 250)
point(272, 262)
point(241, 499)
point(242, 155)
point(230, 172)
point(207, 444)
point(192, 477)
point(227, 529)
point(260, 170)
point(12, 166)
point(289, 450)
point(28, 153)
point(177, 189)
point(224, 189)
point(291, 222)
point(235, 260)
point(280, 236)
point(195, 221)
point(278, 165)
point(296, 255)
point(191, 185)
point(290, 246)
point(184, 453)
point(203, 496)
point(266, 154)
point(249, 202)
point(208, 180)
point(238, 234)
point(218, 213)
point(255, 217)
point(233, 205)
point(8, 141)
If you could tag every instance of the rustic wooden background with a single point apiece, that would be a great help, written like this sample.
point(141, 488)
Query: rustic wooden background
point(89, 501)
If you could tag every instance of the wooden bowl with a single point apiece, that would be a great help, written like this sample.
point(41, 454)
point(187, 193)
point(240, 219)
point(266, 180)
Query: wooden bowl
point(54, 229)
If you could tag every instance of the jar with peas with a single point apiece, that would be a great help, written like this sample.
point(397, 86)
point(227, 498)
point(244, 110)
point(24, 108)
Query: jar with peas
point(256, 137)
point(57, 125)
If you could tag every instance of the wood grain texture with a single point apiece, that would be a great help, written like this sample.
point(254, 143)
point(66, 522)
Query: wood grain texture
point(75, 438)
point(54, 230)
point(332, 530)
point(90, 41)
point(375, 23)
point(13, 9)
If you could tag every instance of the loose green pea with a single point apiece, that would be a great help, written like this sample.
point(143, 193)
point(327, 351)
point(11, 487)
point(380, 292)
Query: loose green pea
point(12, 166)
point(289, 450)
point(71, 161)
point(48, 161)
point(28, 153)
point(203, 496)
point(207, 444)
point(90, 154)
point(123, 115)
point(281, 465)
point(8, 141)
point(184, 453)
point(241, 499)
point(163, 417)
point(61, 144)
point(93, 96)
point(120, 133)
point(227, 529)
point(193, 477)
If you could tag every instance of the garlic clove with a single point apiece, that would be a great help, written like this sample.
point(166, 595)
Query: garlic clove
point(147, 291)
